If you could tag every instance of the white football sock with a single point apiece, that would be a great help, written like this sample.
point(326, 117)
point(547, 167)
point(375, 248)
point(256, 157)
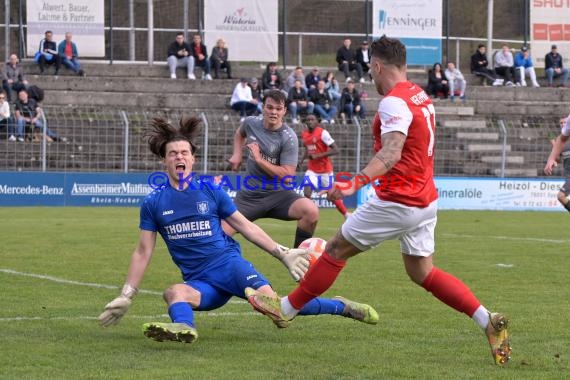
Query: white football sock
point(481, 317)
point(288, 310)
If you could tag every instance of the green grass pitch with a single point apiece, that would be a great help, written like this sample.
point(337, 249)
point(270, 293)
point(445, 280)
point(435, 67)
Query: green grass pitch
point(56, 262)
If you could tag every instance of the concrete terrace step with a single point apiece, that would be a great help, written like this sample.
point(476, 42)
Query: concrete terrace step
point(520, 108)
point(516, 172)
point(475, 124)
point(499, 159)
point(487, 148)
point(453, 110)
point(519, 94)
point(478, 135)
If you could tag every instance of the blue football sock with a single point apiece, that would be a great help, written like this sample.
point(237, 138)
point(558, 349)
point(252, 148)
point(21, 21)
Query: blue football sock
point(181, 312)
point(322, 306)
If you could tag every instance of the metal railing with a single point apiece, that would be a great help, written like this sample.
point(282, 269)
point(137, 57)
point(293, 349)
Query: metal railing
point(111, 140)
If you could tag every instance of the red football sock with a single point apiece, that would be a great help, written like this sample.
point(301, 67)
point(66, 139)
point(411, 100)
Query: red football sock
point(340, 206)
point(451, 291)
point(317, 280)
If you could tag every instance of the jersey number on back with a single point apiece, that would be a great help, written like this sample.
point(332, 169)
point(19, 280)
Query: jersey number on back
point(429, 114)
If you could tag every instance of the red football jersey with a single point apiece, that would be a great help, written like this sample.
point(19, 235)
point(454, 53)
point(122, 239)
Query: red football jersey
point(318, 141)
point(409, 110)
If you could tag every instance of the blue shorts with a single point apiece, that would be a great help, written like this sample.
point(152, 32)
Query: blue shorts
point(219, 284)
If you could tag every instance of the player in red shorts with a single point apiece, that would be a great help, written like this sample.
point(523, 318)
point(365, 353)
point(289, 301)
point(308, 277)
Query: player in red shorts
point(319, 146)
point(404, 206)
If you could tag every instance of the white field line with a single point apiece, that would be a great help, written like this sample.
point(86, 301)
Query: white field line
point(90, 284)
point(499, 237)
point(146, 317)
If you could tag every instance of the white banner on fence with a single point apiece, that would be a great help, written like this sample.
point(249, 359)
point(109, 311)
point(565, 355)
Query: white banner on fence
point(248, 26)
point(417, 23)
point(507, 194)
point(85, 19)
point(549, 25)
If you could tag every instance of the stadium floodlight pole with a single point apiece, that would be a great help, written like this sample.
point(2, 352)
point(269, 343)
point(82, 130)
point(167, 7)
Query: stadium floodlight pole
point(7, 31)
point(131, 30)
point(150, 32)
point(490, 4)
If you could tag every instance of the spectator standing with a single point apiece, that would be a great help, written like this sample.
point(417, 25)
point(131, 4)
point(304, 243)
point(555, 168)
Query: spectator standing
point(363, 57)
point(219, 58)
point(524, 67)
point(324, 106)
point(312, 78)
point(346, 59)
point(47, 54)
point(554, 67)
point(179, 55)
point(350, 102)
point(13, 77)
point(242, 100)
point(505, 65)
point(67, 50)
point(437, 82)
point(200, 53)
point(298, 100)
point(455, 80)
point(271, 79)
point(479, 66)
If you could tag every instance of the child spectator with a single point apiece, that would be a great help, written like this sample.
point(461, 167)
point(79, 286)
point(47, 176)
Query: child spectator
point(455, 80)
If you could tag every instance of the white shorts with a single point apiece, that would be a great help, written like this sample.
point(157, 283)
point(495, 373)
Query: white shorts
point(320, 181)
point(378, 220)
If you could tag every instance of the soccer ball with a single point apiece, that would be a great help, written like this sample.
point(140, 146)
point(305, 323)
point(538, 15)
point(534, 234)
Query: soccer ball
point(315, 246)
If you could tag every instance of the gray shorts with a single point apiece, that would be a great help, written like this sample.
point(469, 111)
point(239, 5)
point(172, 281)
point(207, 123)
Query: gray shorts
point(266, 204)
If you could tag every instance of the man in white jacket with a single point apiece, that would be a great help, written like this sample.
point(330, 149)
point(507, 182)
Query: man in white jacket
point(455, 81)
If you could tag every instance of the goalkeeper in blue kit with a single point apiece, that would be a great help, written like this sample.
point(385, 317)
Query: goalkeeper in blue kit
point(188, 216)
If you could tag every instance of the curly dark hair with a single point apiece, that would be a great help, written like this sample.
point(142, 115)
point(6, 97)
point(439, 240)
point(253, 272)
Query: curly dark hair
point(162, 132)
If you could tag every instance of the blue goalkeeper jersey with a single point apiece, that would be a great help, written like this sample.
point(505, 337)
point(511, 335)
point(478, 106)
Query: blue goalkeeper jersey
point(189, 221)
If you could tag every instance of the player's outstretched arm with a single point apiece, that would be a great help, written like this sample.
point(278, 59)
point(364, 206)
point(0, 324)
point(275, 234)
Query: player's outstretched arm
point(117, 308)
point(557, 148)
point(295, 260)
point(239, 142)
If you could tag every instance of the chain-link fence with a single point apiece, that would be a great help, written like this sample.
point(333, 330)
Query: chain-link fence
point(310, 32)
point(111, 140)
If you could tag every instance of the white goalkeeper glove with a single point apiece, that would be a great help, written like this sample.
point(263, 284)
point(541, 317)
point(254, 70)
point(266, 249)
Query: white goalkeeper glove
point(117, 308)
point(296, 260)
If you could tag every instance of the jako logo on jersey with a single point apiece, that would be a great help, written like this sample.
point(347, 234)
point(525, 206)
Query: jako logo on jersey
point(202, 207)
point(168, 212)
point(251, 276)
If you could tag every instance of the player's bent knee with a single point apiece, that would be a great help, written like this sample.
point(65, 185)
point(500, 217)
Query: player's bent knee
point(181, 293)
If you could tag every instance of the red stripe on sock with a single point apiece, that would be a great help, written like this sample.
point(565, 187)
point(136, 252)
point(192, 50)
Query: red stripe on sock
point(339, 204)
point(451, 291)
point(317, 280)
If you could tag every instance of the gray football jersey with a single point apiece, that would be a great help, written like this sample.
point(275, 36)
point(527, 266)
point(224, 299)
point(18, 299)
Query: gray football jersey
point(279, 147)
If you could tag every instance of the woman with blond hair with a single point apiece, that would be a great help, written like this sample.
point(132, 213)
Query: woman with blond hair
point(219, 58)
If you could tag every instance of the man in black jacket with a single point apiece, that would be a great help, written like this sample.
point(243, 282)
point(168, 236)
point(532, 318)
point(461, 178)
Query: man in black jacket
point(179, 55)
point(479, 65)
point(554, 67)
point(346, 59)
point(48, 53)
point(198, 50)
